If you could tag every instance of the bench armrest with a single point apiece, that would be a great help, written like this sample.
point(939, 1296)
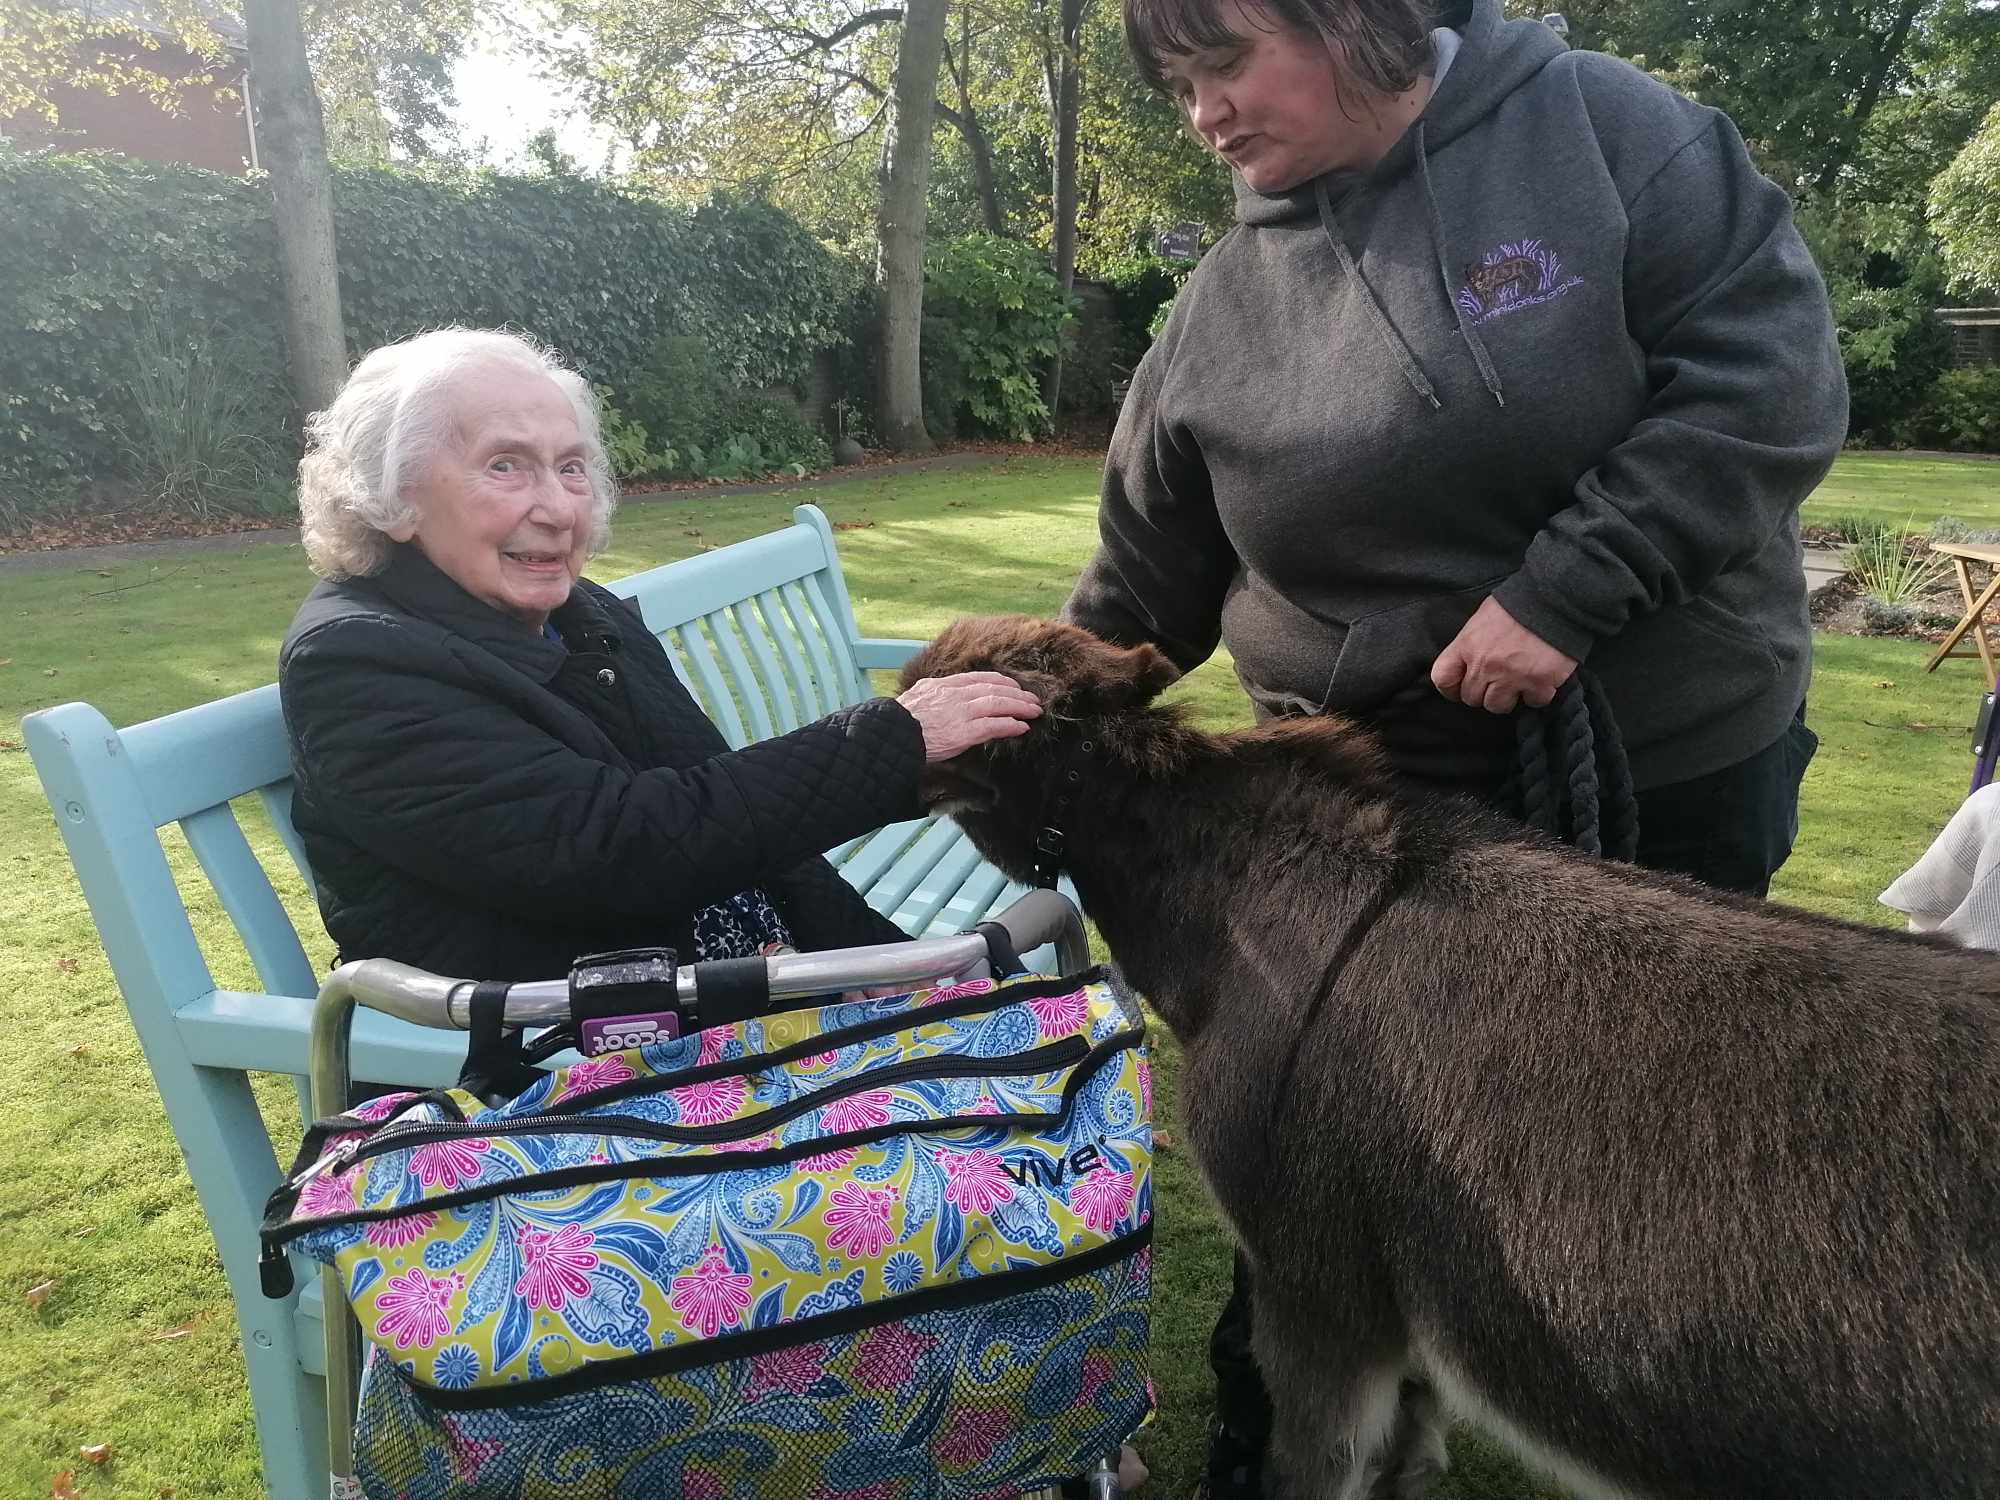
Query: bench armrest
point(873, 653)
point(238, 1031)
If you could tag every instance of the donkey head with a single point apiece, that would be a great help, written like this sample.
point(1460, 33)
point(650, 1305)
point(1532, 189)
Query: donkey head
point(1089, 690)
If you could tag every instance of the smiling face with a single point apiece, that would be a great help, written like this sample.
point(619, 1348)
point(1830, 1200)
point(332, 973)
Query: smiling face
point(1276, 105)
point(504, 509)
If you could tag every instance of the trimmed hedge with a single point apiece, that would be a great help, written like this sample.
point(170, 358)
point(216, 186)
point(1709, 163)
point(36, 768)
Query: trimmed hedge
point(95, 246)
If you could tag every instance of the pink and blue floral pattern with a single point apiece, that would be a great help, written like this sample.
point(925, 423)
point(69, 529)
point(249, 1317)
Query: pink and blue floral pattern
point(688, 1241)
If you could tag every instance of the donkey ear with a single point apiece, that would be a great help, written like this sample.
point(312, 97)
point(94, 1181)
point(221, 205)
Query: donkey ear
point(1151, 672)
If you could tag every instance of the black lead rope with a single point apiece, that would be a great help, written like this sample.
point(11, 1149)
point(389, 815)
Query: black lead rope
point(1585, 776)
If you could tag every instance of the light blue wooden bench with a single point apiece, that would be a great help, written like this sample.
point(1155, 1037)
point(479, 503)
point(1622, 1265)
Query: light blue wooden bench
point(763, 633)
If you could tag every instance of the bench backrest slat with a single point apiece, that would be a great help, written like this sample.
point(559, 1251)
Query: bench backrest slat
point(850, 685)
point(206, 755)
point(798, 676)
point(713, 691)
point(798, 609)
point(250, 900)
point(745, 689)
point(277, 800)
point(778, 705)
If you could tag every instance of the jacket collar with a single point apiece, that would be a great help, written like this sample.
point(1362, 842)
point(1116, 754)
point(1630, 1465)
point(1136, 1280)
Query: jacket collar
point(416, 584)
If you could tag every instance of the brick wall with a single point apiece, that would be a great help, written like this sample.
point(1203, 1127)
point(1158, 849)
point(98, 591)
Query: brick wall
point(207, 131)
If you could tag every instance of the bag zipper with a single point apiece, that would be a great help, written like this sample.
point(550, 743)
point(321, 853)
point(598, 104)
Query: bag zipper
point(985, 1003)
point(274, 1269)
point(1042, 1059)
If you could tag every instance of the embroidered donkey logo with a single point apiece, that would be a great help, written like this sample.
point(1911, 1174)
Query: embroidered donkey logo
point(1511, 277)
point(1487, 282)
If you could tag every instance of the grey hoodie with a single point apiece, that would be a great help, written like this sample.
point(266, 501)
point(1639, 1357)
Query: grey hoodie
point(1562, 346)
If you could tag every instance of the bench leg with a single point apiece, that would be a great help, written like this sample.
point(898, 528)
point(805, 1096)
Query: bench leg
point(221, 1136)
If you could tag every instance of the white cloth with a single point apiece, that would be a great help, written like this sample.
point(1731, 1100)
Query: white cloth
point(1444, 50)
point(1954, 888)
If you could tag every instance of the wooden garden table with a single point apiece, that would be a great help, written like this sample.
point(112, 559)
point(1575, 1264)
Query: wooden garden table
point(1964, 557)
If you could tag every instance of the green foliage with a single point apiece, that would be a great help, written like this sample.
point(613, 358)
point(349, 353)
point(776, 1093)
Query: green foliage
point(1853, 528)
point(774, 435)
point(1883, 287)
point(1965, 210)
point(91, 244)
point(194, 422)
point(676, 395)
point(1892, 568)
point(627, 443)
point(600, 272)
point(681, 398)
point(1952, 529)
point(767, 294)
point(993, 312)
point(1142, 285)
point(1960, 412)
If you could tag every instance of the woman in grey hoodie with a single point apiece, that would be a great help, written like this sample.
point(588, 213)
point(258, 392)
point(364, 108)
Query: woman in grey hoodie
point(1513, 362)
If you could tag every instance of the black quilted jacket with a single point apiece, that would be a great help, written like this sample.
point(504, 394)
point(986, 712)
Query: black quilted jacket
point(484, 803)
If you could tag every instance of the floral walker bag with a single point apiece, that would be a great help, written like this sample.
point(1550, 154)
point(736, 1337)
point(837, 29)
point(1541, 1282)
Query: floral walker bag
point(877, 1251)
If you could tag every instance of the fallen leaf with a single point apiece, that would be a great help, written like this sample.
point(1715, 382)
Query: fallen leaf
point(171, 1334)
point(691, 531)
point(85, 1233)
point(852, 525)
point(37, 1295)
point(67, 965)
point(1885, 684)
point(8, 745)
point(97, 1453)
point(62, 1488)
point(48, 671)
point(103, 572)
point(1163, 1140)
point(6, 661)
point(80, 1049)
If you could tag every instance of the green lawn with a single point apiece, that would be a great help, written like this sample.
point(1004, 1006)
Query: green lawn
point(135, 1345)
point(1898, 487)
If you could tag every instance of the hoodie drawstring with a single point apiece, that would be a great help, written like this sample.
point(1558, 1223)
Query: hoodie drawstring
point(1412, 371)
point(1384, 329)
point(1479, 355)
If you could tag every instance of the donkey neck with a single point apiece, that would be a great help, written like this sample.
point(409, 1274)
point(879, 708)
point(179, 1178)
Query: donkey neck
point(1167, 834)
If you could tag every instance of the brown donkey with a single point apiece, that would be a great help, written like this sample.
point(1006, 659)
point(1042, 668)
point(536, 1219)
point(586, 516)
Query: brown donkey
point(1678, 1194)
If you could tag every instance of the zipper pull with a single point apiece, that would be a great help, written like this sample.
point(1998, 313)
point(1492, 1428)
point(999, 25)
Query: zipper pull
point(337, 1160)
point(274, 1270)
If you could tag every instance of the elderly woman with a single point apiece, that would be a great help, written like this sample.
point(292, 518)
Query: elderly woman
point(1512, 362)
point(496, 768)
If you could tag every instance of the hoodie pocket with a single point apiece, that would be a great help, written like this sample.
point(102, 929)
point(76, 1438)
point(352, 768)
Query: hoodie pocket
point(1710, 618)
point(1390, 651)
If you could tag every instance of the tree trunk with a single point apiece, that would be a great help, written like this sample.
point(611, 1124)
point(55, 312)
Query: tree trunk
point(906, 176)
point(966, 118)
point(291, 137)
point(1885, 58)
point(1065, 75)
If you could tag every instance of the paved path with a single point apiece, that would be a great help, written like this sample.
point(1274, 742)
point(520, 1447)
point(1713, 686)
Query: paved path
point(1822, 568)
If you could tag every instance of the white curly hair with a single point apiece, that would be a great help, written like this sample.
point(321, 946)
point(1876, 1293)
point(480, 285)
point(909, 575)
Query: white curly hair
point(389, 422)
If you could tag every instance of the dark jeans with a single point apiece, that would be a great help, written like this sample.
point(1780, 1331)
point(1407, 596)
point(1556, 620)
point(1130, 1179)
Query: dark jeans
point(1731, 829)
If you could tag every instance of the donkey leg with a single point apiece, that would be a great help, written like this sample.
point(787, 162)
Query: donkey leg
point(1415, 1457)
point(1336, 1396)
